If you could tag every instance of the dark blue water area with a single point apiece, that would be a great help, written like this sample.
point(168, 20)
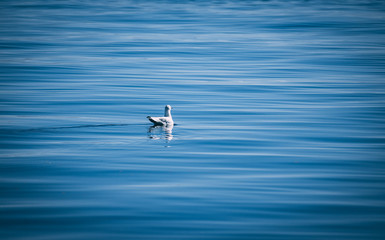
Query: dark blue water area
point(279, 109)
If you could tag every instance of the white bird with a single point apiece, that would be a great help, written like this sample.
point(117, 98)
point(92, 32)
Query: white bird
point(163, 121)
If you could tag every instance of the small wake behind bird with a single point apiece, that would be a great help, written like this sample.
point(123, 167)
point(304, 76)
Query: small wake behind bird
point(162, 125)
point(69, 127)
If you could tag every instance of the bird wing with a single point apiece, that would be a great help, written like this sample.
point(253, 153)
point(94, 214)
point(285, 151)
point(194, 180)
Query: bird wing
point(159, 120)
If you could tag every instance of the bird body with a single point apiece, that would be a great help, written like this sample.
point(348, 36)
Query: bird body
point(163, 121)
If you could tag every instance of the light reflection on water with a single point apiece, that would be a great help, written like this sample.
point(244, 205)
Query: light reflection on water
point(279, 105)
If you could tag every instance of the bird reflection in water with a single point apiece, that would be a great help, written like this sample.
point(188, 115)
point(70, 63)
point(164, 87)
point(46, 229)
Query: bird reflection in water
point(161, 132)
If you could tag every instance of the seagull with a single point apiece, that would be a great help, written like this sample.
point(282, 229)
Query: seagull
point(163, 121)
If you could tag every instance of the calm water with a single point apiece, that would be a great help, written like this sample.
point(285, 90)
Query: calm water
point(279, 107)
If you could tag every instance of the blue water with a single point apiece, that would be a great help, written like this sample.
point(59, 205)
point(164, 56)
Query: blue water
point(279, 106)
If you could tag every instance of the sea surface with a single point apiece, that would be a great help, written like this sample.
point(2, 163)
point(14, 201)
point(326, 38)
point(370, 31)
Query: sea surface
point(279, 109)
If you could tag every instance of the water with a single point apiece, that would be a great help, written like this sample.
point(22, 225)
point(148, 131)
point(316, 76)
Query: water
point(279, 108)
